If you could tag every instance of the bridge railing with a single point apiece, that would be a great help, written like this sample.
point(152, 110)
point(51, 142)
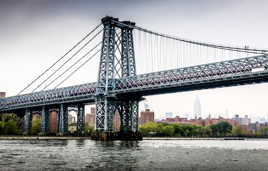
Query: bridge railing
point(43, 97)
point(199, 72)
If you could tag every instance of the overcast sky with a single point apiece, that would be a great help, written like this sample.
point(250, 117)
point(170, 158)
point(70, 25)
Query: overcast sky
point(34, 33)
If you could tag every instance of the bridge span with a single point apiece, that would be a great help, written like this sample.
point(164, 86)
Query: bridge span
point(120, 88)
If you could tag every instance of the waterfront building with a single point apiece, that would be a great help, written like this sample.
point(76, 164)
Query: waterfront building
point(53, 122)
point(90, 117)
point(146, 116)
point(116, 121)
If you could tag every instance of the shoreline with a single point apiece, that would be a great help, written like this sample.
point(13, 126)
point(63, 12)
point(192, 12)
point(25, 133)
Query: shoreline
point(144, 138)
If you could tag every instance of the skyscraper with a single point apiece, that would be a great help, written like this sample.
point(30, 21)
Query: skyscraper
point(197, 108)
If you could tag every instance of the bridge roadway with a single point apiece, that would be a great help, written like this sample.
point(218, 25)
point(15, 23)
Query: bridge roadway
point(220, 74)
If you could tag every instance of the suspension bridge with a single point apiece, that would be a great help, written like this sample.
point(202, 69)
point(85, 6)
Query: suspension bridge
point(133, 62)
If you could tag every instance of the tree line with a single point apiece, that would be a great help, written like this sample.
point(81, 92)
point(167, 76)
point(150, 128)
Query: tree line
point(11, 124)
point(221, 129)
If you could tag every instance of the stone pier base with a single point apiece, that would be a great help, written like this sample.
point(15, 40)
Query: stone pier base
point(109, 136)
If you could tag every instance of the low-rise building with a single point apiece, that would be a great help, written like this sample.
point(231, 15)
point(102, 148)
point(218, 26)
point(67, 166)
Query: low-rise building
point(90, 117)
point(146, 116)
point(2, 95)
point(242, 121)
point(254, 127)
point(199, 121)
point(54, 122)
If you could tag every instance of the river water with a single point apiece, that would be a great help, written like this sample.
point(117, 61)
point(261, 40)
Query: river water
point(142, 155)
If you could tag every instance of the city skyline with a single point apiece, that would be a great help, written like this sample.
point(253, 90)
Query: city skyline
point(224, 114)
point(39, 38)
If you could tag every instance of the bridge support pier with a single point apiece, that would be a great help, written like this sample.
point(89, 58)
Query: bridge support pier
point(129, 120)
point(129, 115)
point(105, 110)
point(81, 120)
point(63, 120)
point(28, 121)
point(45, 120)
point(117, 61)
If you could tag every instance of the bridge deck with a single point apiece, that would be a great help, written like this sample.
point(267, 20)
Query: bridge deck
point(227, 73)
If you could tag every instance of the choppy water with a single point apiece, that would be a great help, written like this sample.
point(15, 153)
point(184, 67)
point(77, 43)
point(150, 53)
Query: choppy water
point(143, 155)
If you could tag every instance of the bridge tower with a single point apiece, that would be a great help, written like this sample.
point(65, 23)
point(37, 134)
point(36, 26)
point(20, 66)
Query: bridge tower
point(117, 60)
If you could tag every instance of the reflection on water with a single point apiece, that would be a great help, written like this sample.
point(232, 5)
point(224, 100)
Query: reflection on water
point(143, 155)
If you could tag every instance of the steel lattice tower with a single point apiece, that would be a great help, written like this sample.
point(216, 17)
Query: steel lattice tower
point(117, 39)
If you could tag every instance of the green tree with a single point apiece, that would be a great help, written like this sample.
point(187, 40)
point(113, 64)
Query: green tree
point(221, 129)
point(11, 128)
point(239, 131)
point(263, 132)
point(36, 126)
point(151, 127)
point(2, 125)
point(178, 130)
point(207, 131)
point(167, 130)
point(7, 125)
point(89, 129)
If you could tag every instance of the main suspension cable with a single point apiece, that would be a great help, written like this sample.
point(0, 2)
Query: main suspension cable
point(43, 73)
point(65, 71)
point(91, 57)
point(79, 50)
point(238, 49)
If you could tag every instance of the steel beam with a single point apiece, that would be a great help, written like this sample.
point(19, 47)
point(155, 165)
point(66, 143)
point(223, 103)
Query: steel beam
point(81, 120)
point(45, 120)
point(129, 115)
point(105, 110)
point(63, 119)
point(28, 121)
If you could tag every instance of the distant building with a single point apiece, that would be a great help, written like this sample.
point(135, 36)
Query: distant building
point(242, 121)
point(177, 119)
point(53, 122)
point(71, 119)
point(90, 117)
point(197, 108)
point(201, 122)
point(146, 106)
point(146, 116)
point(116, 121)
point(37, 116)
point(254, 127)
point(169, 115)
point(93, 110)
point(2, 95)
